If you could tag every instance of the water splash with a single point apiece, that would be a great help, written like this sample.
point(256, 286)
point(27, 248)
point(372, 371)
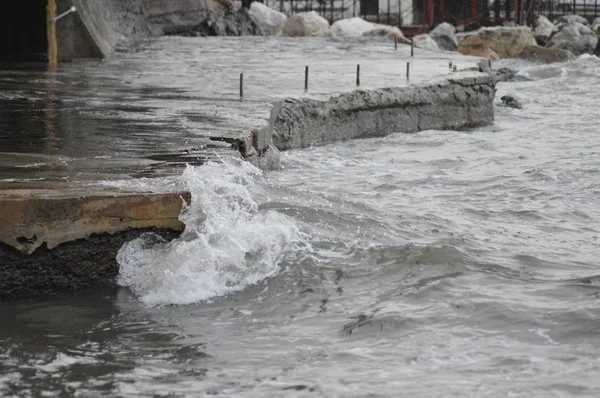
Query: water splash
point(228, 243)
point(585, 64)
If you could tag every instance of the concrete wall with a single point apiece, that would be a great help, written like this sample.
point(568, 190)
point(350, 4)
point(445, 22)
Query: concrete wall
point(465, 99)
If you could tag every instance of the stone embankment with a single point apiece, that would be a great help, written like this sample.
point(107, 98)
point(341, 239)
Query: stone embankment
point(547, 42)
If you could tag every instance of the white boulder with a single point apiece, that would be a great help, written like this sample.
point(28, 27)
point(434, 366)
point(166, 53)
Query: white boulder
point(575, 37)
point(596, 24)
point(391, 32)
point(425, 42)
point(268, 19)
point(571, 19)
point(445, 36)
point(351, 27)
point(543, 30)
point(305, 24)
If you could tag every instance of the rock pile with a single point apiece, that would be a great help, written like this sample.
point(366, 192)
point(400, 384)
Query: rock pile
point(305, 24)
point(505, 42)
point(268, 19)
point(574, 37)
point(352, 27)
point(425, 42)
point(545, 42)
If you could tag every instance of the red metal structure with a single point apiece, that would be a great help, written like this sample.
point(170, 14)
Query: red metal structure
point(420, 16)
point(470, 13)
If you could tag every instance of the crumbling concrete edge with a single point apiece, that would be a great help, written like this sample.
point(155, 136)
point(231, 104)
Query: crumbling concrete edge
point(28, 223)
point(460, 100)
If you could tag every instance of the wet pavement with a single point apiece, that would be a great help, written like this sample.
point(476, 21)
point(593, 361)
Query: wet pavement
point(174, 101)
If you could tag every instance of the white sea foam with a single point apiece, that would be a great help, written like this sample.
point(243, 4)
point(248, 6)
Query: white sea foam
point(7, 379)
point(228, 243)
point(585, 62)
point(63, 361)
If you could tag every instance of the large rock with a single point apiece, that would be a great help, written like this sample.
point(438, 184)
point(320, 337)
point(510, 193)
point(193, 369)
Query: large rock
point(352, 27)
point(305, 24)
point(163, 16)
point(247, 24)
point(545, 55)
point(511, 101)
point(571, 19)
point(596, 25)
point(425, 42)
point(476, 46)
point(213, 25)
point(391, 32)
point(506, 42)
point(575, 37)
point(269, 20)
point(500, 74)
point(543, 30)
point(445, 37)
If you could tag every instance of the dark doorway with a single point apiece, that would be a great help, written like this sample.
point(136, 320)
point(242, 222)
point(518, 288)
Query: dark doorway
point(23, 32)
point(369, 7)
point(418, 12)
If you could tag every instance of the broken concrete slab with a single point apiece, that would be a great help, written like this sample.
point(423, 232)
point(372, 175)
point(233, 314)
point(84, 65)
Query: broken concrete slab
point(52, 240)
point(29, 220)
point(465, 99)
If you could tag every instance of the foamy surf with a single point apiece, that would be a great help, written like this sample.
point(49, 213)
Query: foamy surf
point(584, 64)
point(227, 245)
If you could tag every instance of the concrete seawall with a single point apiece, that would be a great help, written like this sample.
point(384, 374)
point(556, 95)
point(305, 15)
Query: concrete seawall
point(459, 101)
point(52, 240)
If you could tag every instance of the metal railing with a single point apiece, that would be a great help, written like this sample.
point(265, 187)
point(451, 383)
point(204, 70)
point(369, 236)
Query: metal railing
point(64, 14)
point(470, 13)
point(334, 10)
point(589, 9)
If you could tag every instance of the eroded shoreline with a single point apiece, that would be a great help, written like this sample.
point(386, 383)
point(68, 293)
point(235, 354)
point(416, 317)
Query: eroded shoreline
point(51, 244)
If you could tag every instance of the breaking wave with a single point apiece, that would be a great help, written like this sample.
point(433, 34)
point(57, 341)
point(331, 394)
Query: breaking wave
point(228, 242)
